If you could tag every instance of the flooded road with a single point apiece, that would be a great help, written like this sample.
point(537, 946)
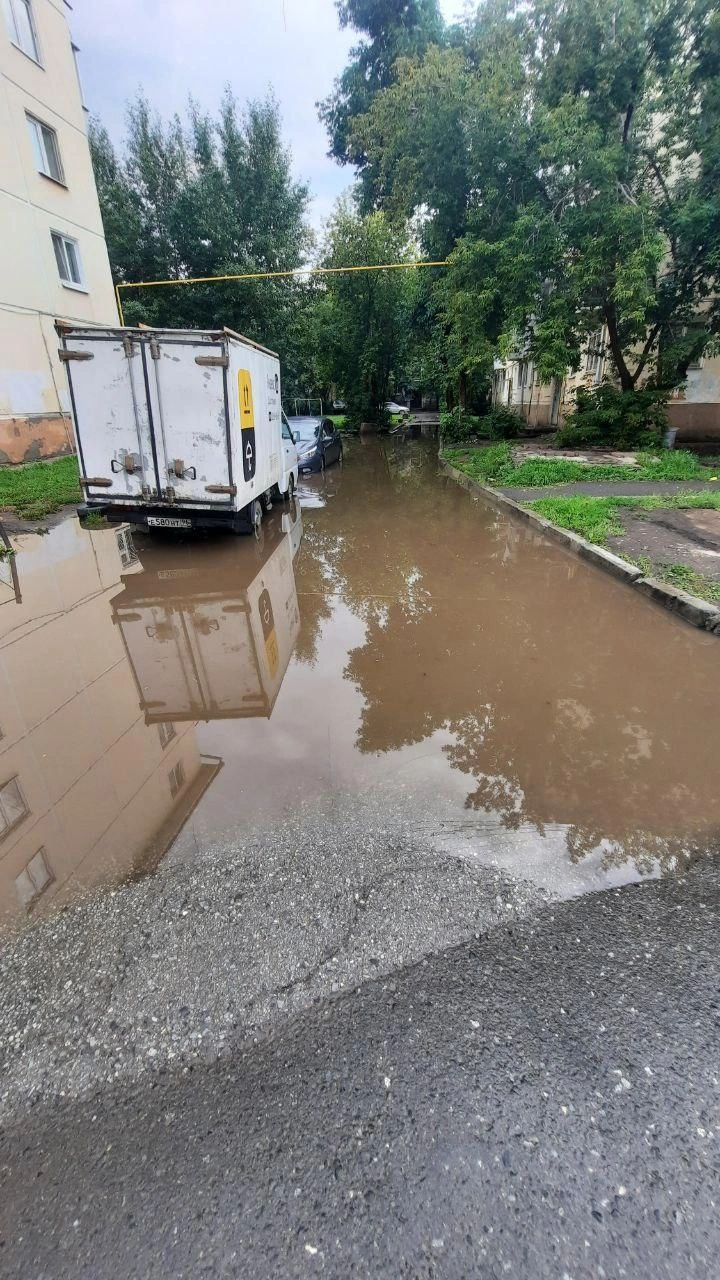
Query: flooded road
point(396, 652)
point(330, 785)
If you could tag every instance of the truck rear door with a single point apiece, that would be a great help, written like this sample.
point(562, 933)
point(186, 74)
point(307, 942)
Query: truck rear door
point(107, 381)
point(188, 400)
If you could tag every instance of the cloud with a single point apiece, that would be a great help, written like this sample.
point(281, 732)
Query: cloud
point(177, 48)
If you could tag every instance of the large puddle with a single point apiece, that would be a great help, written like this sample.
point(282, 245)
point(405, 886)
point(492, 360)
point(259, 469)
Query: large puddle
point(395, 650)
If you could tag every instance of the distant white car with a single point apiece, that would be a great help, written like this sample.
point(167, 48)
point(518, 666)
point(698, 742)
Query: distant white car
point(393, 407)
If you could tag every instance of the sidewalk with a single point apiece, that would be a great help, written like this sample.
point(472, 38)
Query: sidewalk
point(609, 489)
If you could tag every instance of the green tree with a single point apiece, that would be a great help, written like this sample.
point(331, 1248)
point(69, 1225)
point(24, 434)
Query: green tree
point(209, 196)
point(363, 317)
point(390, 29)
point(567, 155)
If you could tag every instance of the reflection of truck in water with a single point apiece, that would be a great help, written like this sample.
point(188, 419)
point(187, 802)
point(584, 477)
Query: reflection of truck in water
point(210, 636)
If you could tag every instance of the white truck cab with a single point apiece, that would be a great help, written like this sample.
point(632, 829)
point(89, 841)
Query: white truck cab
point(177, 428)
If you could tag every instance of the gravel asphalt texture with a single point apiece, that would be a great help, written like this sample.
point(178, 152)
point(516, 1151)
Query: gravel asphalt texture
point(608, 489)
point(539, 1100)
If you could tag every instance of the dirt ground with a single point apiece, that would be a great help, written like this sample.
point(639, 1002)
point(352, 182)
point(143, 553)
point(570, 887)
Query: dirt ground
point(544, 447)
point(673, 537)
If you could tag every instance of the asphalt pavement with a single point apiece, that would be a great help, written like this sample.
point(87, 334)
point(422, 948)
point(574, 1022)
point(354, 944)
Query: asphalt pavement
point(539, 1101)
point(608, 489)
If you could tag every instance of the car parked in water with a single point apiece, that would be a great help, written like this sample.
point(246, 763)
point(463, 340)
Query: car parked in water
point(318, 442)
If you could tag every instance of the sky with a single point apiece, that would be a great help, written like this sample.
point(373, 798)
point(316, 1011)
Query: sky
point(174, 48)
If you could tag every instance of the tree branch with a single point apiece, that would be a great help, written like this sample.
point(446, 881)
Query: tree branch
point(628, 120)
point(666, 196)
point(649, 344)
point(626, 380)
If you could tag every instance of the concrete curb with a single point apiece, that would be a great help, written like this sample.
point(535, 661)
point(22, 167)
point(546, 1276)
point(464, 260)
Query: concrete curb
point(692, 609)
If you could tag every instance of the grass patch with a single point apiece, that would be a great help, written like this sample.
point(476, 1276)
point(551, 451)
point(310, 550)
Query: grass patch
point(682, 576)
point(495, 465)
point(596, 519)
point(39, 489)
point(339, 420)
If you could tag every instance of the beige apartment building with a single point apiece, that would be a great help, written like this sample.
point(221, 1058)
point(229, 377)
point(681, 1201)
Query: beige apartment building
point(53, 257)
point(694, 409)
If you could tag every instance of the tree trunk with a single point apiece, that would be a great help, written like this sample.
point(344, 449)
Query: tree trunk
point(463, 389)
point(627, 379)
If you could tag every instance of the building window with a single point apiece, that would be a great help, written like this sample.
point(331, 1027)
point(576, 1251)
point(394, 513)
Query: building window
point(12, 806)
point(75, 52)
point(22, 27)
point(46, 150)
point(67, 256)
point(34, 880)
point(595, 356)
point(177, 778)
point(126, 547)
point(166, 729)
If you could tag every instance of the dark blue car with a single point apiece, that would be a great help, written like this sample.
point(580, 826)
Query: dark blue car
point(318, 443)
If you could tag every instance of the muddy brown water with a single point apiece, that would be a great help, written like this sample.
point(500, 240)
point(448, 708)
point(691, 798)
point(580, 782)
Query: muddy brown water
point(392, 644)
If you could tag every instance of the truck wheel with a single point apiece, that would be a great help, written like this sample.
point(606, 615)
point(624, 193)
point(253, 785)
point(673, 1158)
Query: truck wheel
point(289, 493)
point(251, 517)
point(267, 501)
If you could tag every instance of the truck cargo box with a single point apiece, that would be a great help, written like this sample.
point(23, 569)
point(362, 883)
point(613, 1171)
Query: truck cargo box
point(177, 428)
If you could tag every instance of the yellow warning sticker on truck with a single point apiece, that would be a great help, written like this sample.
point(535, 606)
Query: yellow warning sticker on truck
point(247, 423)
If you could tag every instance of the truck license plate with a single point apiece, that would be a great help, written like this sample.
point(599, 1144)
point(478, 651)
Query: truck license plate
point(168, 522)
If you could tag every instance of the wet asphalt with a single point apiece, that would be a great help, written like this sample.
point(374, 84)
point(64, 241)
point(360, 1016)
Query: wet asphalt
point(539, 1101)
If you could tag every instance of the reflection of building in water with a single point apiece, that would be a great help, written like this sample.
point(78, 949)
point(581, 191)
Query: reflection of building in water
point(89, 793)
point(209, 631)
point(9, 581)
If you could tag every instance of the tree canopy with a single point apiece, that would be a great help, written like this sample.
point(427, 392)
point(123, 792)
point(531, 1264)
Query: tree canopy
point(390, 29)
point(203, 197)
point(565, 153)
point(364, 317)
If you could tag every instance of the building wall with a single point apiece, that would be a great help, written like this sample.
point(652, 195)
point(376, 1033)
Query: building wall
point(516, 384)
point(693, 409)
point(34, 404)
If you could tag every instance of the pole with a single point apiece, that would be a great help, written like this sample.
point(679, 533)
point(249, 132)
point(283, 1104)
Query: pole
point(268, 275)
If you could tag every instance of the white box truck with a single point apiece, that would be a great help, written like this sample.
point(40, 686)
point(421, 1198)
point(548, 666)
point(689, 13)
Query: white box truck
point(177, 428)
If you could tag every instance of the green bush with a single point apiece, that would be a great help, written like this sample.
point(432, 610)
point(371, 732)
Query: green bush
point(502, 423)
point(499, 424)
point(458, 426)
point(615, 419)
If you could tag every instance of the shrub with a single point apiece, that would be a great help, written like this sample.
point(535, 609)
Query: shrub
point(502, 423)
point(499, 424)
point(459, 426)
point(616, 419)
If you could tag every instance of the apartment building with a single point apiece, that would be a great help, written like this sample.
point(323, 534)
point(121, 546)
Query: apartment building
point(53, 257)
point(517, 384)
point(693, 409)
